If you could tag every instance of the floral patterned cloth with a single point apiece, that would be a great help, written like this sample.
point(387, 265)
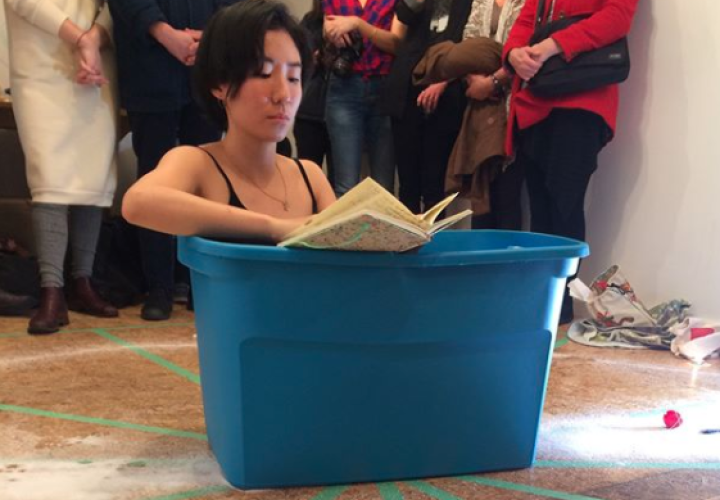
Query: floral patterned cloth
point(620, 319)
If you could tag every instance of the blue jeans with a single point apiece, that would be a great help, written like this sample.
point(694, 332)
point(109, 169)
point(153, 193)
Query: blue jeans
point(353, 122)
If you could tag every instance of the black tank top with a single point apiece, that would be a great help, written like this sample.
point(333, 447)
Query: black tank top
point(234, 201)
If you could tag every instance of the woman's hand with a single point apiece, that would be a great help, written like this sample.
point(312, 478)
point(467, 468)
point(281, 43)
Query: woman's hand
point(429, 98)
point(525, 61)
point(182, 44)
point(480, 87)
point(280, 228)
point(89, 59)
point(544, 50)
point(338, 29)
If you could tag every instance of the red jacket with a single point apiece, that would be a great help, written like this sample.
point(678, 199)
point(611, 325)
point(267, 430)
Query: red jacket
point(609, 21)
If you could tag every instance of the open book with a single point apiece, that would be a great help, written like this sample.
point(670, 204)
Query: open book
point(369, 218)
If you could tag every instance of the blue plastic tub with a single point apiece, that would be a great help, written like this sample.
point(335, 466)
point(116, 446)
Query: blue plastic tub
point(341, 367)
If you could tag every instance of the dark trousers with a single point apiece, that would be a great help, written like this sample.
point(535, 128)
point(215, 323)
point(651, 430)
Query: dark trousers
point(153, 135)
point(313, 143)
point(559, 155)
point(505, 208)
point(423, 144)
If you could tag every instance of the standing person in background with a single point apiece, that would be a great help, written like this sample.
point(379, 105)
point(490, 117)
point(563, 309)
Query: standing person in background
point(502, 209)
point(557, 140)
point(425, 119)
point(64, 103)
point(311, 135)
point(156, 44)
point(366, 34)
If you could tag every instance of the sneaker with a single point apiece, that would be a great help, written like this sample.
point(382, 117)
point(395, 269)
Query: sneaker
point(158, 305)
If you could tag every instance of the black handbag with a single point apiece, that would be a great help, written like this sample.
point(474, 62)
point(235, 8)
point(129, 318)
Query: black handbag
point(587, 71)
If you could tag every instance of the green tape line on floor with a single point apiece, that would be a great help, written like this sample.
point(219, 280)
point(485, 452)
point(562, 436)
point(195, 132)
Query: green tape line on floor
point(389, 491)
point(330, 493)
point(154, 326)
point(101, 421)
point(432, 491)
point(187, 495)
point(192, 377)
point(543, 492)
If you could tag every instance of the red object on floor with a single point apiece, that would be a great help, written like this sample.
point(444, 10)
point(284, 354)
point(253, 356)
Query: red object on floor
point(672, 419)
point(697, 333)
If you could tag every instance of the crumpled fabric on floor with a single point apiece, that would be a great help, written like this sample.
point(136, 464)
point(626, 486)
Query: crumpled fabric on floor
point(696, 339)
point(620, 319)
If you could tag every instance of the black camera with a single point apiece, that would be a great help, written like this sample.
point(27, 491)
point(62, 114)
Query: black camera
point(347, 56)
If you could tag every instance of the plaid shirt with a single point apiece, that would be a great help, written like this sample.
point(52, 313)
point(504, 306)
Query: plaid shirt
point(378, 13)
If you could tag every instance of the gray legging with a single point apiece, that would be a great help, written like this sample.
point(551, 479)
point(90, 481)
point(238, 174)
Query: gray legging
point(53, 228)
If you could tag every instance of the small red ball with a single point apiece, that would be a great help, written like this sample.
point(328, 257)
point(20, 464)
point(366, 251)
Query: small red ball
point(672, 419)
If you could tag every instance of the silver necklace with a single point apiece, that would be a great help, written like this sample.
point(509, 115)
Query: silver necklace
point(283, 202)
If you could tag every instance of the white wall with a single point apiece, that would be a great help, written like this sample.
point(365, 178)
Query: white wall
point(4, 62)
point(653, 206)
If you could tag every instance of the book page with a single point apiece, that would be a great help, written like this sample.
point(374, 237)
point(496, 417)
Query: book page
point(433, 213)
point(449, 221)
point(368, 195)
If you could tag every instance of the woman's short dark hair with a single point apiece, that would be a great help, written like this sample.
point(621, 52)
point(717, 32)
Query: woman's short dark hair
point(232, 48)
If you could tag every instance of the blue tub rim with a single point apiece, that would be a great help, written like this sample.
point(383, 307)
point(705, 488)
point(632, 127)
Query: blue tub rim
point(529, 247)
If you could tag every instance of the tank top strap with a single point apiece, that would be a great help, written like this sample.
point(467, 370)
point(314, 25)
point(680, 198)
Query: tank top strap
point(308, 184)
point(233, 200)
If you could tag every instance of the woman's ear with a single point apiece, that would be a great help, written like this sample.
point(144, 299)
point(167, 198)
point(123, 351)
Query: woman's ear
point(220, 93)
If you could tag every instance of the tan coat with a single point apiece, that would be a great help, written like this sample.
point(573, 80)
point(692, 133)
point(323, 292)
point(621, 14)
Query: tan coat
point(481, 141)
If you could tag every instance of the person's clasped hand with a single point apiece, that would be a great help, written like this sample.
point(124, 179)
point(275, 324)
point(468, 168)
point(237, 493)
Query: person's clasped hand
point(89, 59)
point(527, 61)
point(196, 36)
point(429, 98)
point(338, 28)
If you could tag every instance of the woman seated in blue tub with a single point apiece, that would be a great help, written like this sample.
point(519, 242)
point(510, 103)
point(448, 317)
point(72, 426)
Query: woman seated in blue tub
point(248, 77)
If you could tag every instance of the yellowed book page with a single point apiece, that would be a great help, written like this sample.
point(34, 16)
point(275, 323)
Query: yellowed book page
point(368, 195)
point(364, 231)
point(433, 213)
point(449, 221)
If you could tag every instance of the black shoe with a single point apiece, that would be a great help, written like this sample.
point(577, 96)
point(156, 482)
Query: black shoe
point(15, 305)
point(158, 305)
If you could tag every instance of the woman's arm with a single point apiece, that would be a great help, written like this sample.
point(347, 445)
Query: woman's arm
point(45, 15)
point(336, 27)
point(170, 200)
point(609, 24)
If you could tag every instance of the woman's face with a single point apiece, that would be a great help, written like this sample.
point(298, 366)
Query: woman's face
point(265, 105)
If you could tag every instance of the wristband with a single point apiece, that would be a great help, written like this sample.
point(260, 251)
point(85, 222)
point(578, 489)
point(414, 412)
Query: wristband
point(497, 86)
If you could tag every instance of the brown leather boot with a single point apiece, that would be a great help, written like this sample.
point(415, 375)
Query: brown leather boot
point(86, 300)
point(52, 313)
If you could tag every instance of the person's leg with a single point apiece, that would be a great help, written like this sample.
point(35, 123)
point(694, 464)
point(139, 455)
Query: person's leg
point(310, 140)
point(50, 226)
point(85, 222)
point(574, 139)
point(344, 118)
point(441, 131)
point(408, 133)
point(379, 137)
point(194, 129)
point(153, 135)
point(505, 196)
